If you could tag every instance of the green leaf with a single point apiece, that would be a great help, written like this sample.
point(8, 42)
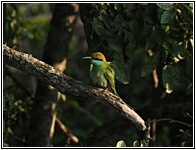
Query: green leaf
point(143, 143)
point(122, 70)
point(97, 25)
point(10, 99)
point(150, 14)
point(180, 53)
point(134, 26)
point(151, 64)
point(167, 79)
point(118, 7)
point(136, 144)
point(128, 7)
point(165, 6)
point(131, 48)
point(144, 34)
point(188, 7)
point(118, 20)
point(121, 143)
point(168, 47)
point(172, 77)
point(146, 70)
point(159, 36)
point(115, 45)
point(7, 82)
point(5, 144)
point(107, 21)
point(73, 103)
point(168, 16)
point(181, 130)
point(62, 97)
point(175, 49)
point(150, 43)
point(129, 35)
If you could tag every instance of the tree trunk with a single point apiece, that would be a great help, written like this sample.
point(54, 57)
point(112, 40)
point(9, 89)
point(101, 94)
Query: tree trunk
point(56, 50)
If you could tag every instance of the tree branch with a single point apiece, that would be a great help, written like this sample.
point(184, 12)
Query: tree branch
point(68, 85)
point(174, 121)
point(67, 131)
point(147, 132)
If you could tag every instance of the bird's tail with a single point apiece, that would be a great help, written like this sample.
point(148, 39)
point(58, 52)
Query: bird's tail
point(112, 89)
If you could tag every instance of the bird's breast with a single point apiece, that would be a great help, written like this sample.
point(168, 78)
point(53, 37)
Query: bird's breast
point(97, 76)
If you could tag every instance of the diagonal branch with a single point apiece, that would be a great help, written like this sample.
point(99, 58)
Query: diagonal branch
point(68, 85)
point(67, 131)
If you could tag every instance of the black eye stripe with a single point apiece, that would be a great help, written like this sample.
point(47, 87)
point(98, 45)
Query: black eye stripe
point(98, 59)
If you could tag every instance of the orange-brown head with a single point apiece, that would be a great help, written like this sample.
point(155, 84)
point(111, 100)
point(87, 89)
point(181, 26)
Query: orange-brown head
point(98, 56)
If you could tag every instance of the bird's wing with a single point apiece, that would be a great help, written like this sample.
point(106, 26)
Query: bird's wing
point(110, 77)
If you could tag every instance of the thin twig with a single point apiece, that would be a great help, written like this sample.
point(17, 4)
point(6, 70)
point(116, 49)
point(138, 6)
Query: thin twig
point(67, 131)
point(52, 127)
point(147, 132)
point(174, 121)
point(187, 114)
point(153, 132)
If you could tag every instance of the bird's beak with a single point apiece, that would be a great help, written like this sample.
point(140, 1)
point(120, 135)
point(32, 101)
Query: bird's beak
point(88, 57)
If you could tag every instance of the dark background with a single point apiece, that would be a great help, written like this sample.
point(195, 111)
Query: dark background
point(61, 34)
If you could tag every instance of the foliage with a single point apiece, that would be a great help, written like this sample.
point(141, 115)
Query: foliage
point(166, 29)
point(125, 33)
point(16, 113)
point(142, 143)
point(120, 143)
point(8, 104)
point(21, 32)
point(20, 26)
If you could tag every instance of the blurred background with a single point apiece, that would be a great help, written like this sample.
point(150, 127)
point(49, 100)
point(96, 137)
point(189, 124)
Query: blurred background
point(151, 48)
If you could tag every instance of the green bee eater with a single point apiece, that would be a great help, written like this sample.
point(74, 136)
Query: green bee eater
point(101, 72)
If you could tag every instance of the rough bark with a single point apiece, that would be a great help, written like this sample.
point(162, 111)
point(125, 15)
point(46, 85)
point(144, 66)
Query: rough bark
point(68, 85)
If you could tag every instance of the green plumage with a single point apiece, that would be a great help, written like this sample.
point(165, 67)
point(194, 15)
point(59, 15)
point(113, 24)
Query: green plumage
point(102, 74)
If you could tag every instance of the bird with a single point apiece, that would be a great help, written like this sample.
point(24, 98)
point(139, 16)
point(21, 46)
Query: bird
point(101, 72)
